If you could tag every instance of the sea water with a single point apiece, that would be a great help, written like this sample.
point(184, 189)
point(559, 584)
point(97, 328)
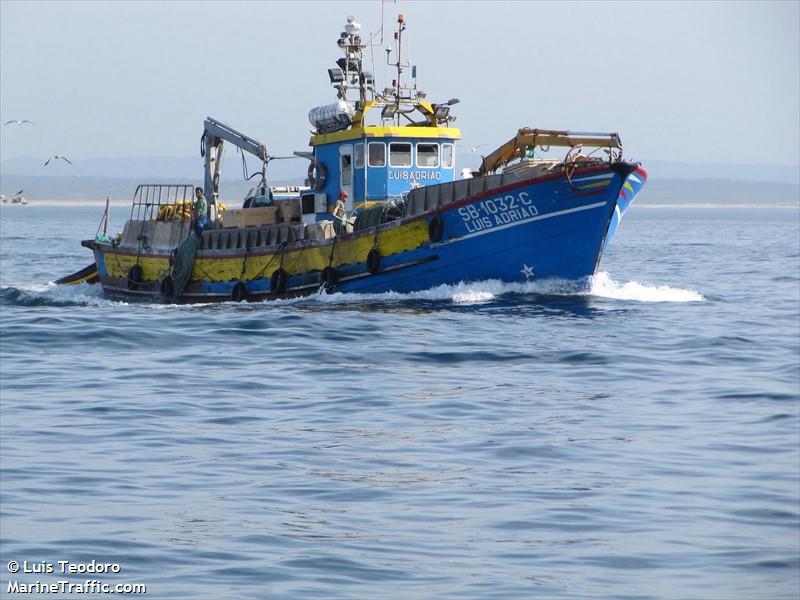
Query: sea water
point(636, 440)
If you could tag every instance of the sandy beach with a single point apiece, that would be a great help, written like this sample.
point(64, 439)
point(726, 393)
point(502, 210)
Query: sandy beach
point(127, 203)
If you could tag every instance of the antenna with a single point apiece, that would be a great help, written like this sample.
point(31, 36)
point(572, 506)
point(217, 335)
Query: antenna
point(381, 29)
point(399, 38)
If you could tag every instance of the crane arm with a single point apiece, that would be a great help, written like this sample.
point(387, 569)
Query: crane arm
point(215, 134)
point(530, 138)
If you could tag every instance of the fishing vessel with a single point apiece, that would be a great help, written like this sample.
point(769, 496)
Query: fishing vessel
point(382, 208)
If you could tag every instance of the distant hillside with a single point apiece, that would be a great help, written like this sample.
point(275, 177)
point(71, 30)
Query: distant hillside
point(662, 169)
point(719, 191)
point(161, 168)
point(657, 191)
point(191, 169)
point(70, 185)
point(99, 188)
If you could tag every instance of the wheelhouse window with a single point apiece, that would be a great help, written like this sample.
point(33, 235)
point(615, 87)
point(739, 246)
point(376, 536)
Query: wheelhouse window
point(399, 154)
point(377, 154)
point(347, 169)
point(427, 155)
point(447, 156)
point(359, 158)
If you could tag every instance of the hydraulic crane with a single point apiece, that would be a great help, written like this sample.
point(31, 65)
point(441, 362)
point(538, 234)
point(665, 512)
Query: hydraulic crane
point(212, 149)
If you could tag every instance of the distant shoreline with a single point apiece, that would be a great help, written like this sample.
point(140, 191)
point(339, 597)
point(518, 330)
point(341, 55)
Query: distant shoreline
point(72, 203)
point(637, 206)
point(715, 205)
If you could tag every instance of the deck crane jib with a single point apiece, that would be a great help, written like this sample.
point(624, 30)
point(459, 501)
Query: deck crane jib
point(212, 146)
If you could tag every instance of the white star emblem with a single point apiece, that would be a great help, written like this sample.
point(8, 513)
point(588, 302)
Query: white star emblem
point(527, 271)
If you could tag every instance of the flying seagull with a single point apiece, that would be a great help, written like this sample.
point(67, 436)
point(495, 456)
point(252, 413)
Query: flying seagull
point(23, 122)
point(19, 193)
point(56, 156)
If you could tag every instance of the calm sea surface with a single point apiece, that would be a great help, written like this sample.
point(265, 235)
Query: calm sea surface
point(483, 441)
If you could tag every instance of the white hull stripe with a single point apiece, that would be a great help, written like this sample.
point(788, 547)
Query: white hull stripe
point(634, 178)
point(523, 221)
point(603, 176)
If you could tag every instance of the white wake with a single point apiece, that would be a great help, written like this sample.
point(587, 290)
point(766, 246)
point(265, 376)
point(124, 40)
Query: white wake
point(600, 286)
point(482, 292)
point(80, 294)
point(603, 286)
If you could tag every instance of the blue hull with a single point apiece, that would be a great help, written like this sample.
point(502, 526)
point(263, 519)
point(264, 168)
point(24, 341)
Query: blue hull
point(548, 228)
point(553, 226)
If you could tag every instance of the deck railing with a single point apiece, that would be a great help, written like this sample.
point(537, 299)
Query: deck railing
point(148, 200)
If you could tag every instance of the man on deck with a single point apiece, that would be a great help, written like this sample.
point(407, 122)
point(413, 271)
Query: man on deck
point(199, 211)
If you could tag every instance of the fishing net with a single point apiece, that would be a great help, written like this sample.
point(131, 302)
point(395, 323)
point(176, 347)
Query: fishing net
point(183, 264)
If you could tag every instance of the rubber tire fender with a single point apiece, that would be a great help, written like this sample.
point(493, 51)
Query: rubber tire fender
point(277, 283)
point(135, 277)
point(317, 175)
point(239, 292)
point(374, 261)
point(328, 277)
point(436, 229)
point(167, 287)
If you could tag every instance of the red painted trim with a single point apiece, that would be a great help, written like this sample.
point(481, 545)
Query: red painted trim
point(511, 186)
point(514, 185)
point(400, 222)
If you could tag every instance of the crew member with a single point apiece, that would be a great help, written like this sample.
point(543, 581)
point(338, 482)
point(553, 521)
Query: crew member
point(199, 211)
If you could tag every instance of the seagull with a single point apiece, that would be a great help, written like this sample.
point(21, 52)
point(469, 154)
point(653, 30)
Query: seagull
point(55, 156)
point(474, 148)
point(19, 193)
point(23, 122)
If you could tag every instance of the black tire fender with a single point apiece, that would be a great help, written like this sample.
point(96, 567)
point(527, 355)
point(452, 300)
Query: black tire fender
point(135, 277)
point(374, 261)
point(167, 287)
point(436, 229)
point(328, 277)
point(277, 283)
point(239, 292)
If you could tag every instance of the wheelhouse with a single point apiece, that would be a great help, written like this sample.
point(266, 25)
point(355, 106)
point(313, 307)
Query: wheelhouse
point(373, 146)
point(373, 164)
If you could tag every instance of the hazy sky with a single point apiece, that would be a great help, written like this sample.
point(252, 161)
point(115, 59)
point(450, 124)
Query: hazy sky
point(704, 81)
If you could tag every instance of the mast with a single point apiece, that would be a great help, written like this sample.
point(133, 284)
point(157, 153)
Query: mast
point(356, 93)
point(351, 75)
point(398, 36)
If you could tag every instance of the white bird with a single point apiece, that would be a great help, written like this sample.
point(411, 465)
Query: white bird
point(474, 148)
point(56, 156)
point(23, 122)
